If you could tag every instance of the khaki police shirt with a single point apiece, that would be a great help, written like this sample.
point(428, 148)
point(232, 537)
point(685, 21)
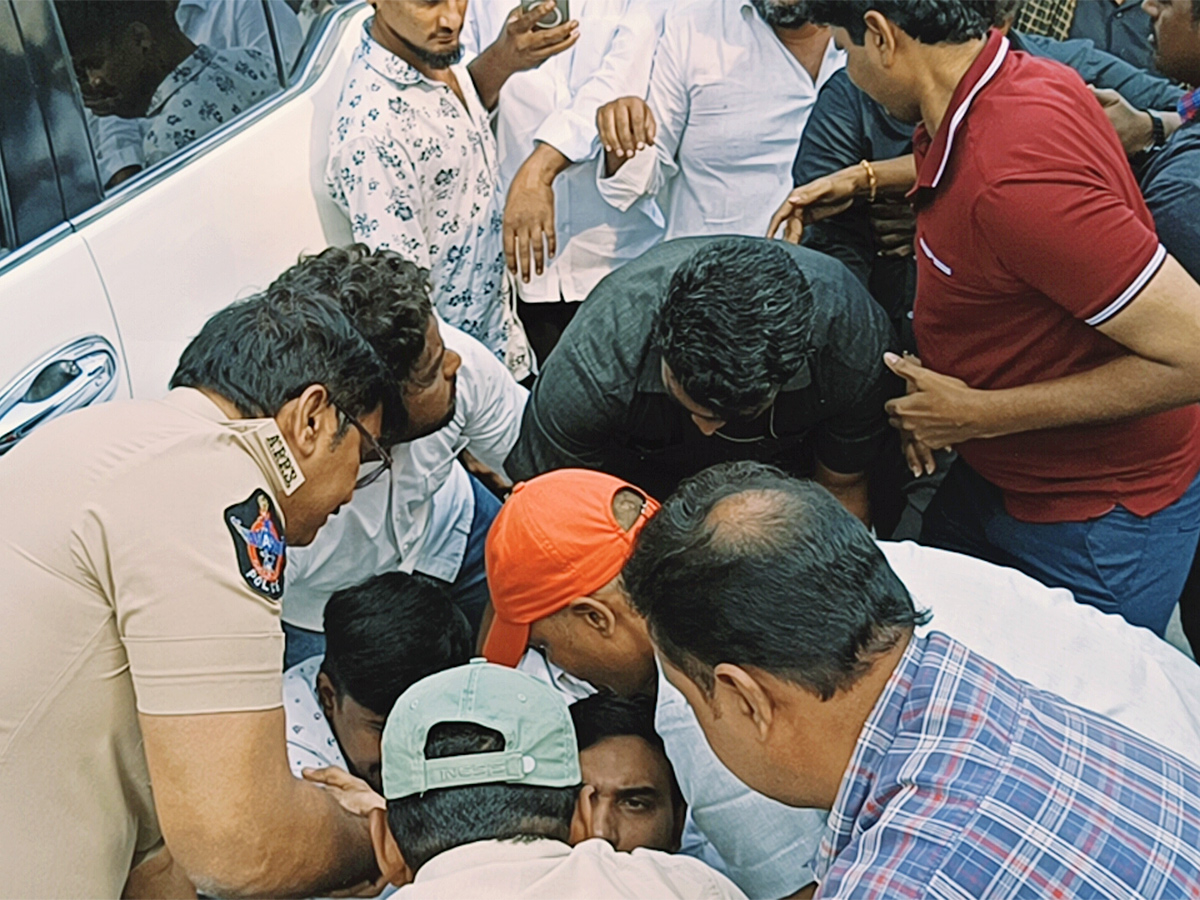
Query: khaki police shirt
point(141, 570)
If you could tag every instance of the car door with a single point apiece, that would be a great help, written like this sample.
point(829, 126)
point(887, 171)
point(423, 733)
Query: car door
point(60, 348)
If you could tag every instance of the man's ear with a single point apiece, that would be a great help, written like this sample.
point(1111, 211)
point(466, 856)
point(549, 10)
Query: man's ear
point(387, 852)
point(595, 613)
point(742, 692)
point(326, 694)
point(880, 37)
point(308, 422)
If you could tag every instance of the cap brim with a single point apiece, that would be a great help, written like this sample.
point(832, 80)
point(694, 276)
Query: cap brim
point(506, 642)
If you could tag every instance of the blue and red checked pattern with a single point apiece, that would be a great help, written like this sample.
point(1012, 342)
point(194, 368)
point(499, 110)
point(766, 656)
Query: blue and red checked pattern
point(1189, 105)
point(969, 783)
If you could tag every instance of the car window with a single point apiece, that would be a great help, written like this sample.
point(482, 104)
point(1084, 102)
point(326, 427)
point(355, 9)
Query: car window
point(312, 16)
point(158, 75)
point(32, 201)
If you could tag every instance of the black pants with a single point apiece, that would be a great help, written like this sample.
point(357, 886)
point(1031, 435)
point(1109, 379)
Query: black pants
point(544, 324)
point(1189, 607)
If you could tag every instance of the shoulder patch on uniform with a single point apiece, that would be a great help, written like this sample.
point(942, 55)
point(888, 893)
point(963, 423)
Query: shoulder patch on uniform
point(259, 543)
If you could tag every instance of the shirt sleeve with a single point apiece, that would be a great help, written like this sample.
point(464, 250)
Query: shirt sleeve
point(578, 402)
point(378, 183)
point(495, 421)
point(199, 637)
point(1172, 191)
point(852, 374)
point(1139, 87)
point(832, 140)
point(1071, 238)
point(850, 441)
point(649, 171)
point(625, 72)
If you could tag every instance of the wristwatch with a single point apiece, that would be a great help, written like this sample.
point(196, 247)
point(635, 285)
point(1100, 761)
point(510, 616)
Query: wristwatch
point(1158, 132)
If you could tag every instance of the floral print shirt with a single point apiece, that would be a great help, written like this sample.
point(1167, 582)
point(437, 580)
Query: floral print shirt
point(417, 173)
point(204, 91)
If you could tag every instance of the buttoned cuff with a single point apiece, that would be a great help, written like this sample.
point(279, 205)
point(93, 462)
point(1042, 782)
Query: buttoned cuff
point(631, 182)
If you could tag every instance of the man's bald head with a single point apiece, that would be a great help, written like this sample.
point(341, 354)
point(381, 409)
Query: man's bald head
point(749, 566)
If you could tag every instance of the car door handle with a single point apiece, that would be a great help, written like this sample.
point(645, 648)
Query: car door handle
point(77, 374)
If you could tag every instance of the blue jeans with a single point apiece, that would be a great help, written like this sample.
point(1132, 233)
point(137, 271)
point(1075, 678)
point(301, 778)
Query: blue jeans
point(1120, 562)
point(469, 590)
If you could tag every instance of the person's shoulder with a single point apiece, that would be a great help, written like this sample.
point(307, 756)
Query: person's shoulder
point(1028, 95)
point(1178, 160)
point(685, 875)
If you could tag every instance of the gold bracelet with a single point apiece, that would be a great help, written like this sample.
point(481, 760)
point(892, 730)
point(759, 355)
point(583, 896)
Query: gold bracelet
point(872, 180)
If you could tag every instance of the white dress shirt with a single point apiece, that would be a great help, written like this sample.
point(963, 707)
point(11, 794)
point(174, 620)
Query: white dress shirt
point(1038, 634)
point(556, 104)
point(415, 171)
point(731, 102)
point(549, 869)
point(419, 517)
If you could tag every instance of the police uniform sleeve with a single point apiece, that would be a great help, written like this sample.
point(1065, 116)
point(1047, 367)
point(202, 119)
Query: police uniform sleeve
point(196, 562)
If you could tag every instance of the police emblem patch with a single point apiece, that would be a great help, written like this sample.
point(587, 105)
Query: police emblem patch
point(259, 543)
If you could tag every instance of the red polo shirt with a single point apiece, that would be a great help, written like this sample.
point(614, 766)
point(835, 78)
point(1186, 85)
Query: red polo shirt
point(1031, 231)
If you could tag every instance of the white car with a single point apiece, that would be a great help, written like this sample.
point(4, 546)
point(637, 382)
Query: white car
point(100, 292)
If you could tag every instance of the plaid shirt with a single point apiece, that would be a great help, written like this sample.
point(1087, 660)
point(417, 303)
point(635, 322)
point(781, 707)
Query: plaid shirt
point(1189, 105)
point(1051, 18)
point(969, 783)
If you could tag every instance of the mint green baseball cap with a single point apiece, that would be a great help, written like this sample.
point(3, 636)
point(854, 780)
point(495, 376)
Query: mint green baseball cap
point(540, 748)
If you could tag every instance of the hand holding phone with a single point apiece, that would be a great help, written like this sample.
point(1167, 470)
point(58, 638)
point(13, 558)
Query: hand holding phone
point(556, 17)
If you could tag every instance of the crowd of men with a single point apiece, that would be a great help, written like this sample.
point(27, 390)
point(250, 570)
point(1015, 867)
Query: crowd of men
point(571, 535)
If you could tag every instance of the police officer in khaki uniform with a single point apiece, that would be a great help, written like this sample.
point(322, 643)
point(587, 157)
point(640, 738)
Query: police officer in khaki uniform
point(143, 548)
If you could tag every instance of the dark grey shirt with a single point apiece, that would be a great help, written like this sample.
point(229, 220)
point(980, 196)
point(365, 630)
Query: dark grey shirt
point(1171, 186)
point(600, 402)
point(1122, 29)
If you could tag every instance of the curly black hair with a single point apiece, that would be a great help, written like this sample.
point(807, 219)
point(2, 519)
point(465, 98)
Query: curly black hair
point(736, 324)
point(929, 21)
point(386, 297)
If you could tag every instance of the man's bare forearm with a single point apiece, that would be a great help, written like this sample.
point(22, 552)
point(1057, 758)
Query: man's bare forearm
point(489, 73)
point(309, 848)
point(1126, 388)
point(545, 163)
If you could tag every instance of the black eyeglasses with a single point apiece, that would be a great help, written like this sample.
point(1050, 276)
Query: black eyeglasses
point(374, 452)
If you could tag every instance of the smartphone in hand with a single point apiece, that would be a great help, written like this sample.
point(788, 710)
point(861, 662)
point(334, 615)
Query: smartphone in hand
point(560, 13)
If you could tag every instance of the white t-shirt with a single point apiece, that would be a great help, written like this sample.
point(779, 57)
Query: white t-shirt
point(549, 869)
point(419, 517)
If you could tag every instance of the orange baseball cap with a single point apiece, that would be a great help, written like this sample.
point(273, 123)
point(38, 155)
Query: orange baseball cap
point(554, 540)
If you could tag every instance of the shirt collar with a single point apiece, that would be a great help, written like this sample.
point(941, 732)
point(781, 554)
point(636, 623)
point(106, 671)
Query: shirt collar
point(874, 741)
point(260, 438)
point(457, 861)
point(1189, 106)
point(387, 63)
point(649, 377)
point(934, 153)
point(182, 74)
